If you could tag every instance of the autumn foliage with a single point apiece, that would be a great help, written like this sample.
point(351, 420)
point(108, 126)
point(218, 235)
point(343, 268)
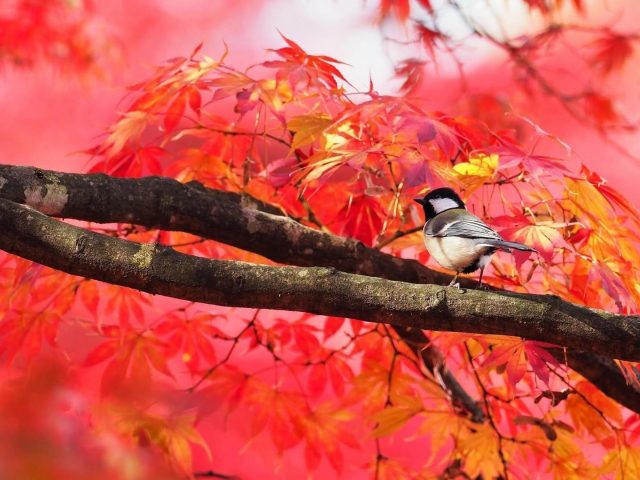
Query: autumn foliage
point(61, 33)
point(121, 384)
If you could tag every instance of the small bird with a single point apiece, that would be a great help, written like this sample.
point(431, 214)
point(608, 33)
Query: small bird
point(457, 239)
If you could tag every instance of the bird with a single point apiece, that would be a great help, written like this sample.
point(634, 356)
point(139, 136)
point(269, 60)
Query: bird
point(457, 239)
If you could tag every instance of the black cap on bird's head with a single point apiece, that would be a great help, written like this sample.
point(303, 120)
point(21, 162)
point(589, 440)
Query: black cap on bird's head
point(439, 200)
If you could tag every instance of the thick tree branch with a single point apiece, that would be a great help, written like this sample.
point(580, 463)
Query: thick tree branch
point(164, 203)
point(167, 204)
point(324, 291)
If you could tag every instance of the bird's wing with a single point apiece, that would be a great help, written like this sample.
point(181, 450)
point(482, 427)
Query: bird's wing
point(459, 224)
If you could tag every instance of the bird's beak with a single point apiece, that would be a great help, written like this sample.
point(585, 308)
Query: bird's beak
point(419, 200)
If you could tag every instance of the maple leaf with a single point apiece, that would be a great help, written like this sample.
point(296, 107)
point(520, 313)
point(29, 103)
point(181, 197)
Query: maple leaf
point(307, 128)
point(281, 411)
point(514, 354)
point(612, 52)
point(429, 38)
point(176, 110)
point(623, 462)
point(614, 197)
point(390, 469)
point(613, 285)
point(587, 201)
point(339, 373)
point(190, 338)
point(88, 295)
point(275, 94)
point(26, 332)
point(585, 410)
point(305, 69)
point(412, 71)
point(475, 172)
point(131, 162)
point(370, 387)
point(567, 458)
point(448, 423)
point(324, 429)
point(131, 352)
point(128, 130)
point(480, 452)
point(317, 379)
point(363, 218)
point(230, 386)
point(400, 8)
point(514, 156)
point(209, 164)
point(127, 303)
point(601, 109)
point(306, 340)
point(545, 236)
point(332, 325)
point(395, 416)
point(229, 83)
point(172, 434)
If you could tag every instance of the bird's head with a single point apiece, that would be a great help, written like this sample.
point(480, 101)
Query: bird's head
point(439, 200)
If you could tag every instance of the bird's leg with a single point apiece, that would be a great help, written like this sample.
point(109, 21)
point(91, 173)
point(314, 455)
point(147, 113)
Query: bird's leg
point(453, 282)
point(480, 279)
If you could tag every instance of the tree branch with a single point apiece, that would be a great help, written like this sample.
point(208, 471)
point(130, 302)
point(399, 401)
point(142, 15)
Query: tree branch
point(167, 204)
point(164, 203)
point(324, 291)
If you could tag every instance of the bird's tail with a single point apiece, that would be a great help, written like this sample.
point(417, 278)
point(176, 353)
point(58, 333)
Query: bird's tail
point(507, 246)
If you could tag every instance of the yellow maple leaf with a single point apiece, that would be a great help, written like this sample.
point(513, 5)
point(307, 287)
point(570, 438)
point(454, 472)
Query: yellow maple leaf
point(338, 136)
point(176, 438)
point(586, 200)
point(480, 452)
point(307, 128)
point(275, 93)
point(172, 435)
point(476, 172)
point(624, 462)
point(395, 416)
point(567, 459)
point(442, 426)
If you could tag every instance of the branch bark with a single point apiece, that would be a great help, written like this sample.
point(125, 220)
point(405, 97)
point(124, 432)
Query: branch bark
point(325, 291)
point(167, 204)
point(164, 203)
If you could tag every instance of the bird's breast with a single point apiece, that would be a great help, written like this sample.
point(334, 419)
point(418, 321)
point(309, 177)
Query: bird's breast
point(457, 253)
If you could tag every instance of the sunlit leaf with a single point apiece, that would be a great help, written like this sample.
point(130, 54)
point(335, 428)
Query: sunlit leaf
point(307, 128)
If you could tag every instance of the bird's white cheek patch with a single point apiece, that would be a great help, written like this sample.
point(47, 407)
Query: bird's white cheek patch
point(442, 204)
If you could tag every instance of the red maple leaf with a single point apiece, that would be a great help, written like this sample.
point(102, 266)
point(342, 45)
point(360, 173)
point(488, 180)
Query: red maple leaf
point(612, 52)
